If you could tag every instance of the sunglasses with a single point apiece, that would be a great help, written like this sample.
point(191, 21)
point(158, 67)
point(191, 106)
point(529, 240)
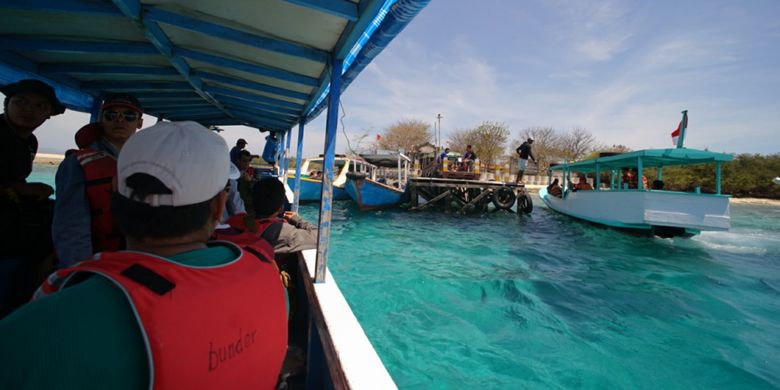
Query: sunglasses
point(130, 116)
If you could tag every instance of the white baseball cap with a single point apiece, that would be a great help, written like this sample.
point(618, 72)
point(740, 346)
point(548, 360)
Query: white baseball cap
point(186, 157)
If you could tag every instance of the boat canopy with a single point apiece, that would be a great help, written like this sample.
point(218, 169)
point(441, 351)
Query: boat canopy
point(649, 158)
point(388, 160)
point(260, 63)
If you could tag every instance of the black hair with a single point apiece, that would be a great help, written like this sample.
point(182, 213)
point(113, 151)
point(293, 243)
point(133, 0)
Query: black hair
point(267, 197)
point(5, 104)
point(139, 220)
point(245, 153)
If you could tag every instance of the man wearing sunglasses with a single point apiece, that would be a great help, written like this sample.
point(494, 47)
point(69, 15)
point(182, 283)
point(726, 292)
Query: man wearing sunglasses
point(86, 179)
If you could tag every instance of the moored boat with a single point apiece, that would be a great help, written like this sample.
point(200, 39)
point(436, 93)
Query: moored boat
point(371, 192)
point(311, 177)
point(629, 206)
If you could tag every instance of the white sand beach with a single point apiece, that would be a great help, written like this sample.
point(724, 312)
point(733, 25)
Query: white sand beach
point(48, 158)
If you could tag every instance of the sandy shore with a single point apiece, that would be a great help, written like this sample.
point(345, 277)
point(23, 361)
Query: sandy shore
point(48, 158)
point(767, 202)
point(534, 188)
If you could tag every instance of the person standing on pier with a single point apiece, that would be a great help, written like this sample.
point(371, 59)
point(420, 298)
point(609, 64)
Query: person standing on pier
point(524, 151)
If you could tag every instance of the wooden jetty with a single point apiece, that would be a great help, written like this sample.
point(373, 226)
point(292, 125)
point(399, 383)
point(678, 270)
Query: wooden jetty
point(463, 192)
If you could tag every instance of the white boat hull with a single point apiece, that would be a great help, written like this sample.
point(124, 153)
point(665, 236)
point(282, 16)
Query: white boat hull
point(645, 209)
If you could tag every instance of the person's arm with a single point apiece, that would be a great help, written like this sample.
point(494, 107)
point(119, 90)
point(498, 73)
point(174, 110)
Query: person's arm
point(71, 229)
point(292, 239)
point(298, 222)
point(234, 204)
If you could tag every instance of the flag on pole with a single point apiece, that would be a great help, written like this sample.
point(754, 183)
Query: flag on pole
point(678, 135)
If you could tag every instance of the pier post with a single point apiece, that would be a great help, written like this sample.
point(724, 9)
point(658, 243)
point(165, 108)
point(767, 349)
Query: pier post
point(328, 164)
point(611, 179)
point(298, 158)
point(639, 174)
point(286, 167)
point(280, 154)
point(717, 177)
point(597, 179)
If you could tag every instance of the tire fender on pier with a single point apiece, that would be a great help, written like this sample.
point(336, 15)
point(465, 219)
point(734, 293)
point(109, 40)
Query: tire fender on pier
point(504, 198)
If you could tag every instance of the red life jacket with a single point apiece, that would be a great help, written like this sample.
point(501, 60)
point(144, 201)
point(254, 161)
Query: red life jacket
point(219, 327)
point(239, 233)
point(99, 180)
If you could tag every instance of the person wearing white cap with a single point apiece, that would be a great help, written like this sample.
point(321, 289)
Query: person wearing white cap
point(174, 311)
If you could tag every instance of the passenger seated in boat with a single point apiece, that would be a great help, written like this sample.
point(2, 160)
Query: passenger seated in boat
point(555, 189)
point(83, 223)
point(630, 179)
point(234, 204)
point(174, 312)
point(582, 184)
point(244, 183)
point(26, 210)
point(658, 184)
point(286, 231)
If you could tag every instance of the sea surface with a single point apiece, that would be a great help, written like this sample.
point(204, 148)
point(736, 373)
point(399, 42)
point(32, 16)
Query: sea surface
point(502, 301)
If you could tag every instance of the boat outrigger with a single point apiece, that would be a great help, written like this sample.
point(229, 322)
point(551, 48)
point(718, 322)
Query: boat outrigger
point(268, 64)
point(618, 204)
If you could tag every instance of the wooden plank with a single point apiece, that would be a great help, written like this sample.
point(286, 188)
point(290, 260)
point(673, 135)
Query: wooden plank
point(432, 201)
point(475, 201)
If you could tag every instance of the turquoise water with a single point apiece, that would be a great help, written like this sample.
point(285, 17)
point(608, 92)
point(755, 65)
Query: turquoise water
point(43, 173)
point(540, 301)
point(502, 301)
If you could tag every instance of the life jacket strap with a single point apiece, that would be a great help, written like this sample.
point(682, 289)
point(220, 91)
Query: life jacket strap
point(149, 279)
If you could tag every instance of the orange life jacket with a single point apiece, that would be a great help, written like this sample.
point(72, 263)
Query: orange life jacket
point(219, 327)
point(99, 181)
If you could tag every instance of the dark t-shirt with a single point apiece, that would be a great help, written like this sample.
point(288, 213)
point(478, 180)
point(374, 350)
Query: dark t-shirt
point(235, 154)
point(470, 156)
point(525, 150)
point(16, 154)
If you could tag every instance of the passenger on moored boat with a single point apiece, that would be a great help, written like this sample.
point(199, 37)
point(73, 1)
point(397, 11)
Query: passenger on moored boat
point(555, 189)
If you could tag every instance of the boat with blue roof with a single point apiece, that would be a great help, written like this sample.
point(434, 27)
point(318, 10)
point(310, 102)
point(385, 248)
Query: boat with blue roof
point(628, 202)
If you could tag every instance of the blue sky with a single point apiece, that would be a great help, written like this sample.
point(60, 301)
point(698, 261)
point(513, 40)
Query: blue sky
point(622, 70)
